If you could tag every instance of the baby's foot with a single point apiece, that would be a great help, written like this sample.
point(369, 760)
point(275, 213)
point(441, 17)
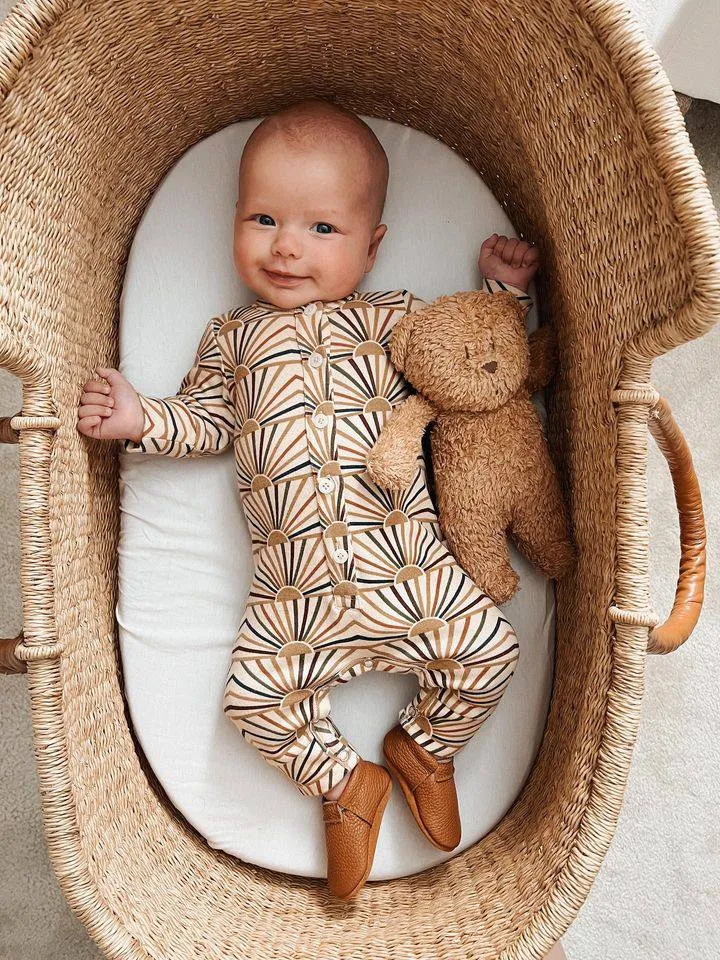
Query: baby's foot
point(352, 826)
point(428, 785)
point(510, 260)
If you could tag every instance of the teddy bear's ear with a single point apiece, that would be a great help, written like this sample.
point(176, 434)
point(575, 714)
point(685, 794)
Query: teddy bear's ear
point(400, 340)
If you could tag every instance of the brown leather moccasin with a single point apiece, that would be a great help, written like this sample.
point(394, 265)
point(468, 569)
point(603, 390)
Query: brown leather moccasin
point(352, 823)
point(428, 785)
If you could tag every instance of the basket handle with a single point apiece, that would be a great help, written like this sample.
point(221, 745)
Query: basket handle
point(8, 434)
point(690, 590)
point(9, 663)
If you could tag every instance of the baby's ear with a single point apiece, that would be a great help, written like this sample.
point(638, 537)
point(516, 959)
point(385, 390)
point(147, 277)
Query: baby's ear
point(400, 341)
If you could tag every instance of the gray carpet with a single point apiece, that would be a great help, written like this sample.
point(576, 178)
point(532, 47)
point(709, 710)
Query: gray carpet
point(658, 891)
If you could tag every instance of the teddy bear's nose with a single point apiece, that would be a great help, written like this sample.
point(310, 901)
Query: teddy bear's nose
point(490, 367)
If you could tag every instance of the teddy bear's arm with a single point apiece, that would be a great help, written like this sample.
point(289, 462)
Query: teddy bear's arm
point(392, 461)
point(543, 357)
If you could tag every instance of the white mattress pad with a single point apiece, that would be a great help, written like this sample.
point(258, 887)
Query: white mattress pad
point(185, 561)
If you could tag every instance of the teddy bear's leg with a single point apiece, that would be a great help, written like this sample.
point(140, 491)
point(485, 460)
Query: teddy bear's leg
point(482, 552)
point(539, 524)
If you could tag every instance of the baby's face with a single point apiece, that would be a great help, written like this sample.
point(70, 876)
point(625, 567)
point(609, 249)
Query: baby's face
point(304, 228)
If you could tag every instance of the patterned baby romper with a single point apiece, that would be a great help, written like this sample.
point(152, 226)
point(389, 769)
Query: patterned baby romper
point(349, 577)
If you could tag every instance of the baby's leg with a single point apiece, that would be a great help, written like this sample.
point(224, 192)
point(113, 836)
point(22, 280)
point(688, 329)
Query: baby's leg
point(441, 627)
point(334, 794)
point(459, 692)
point(280, 700)
point(462, 649)
point(290, 726)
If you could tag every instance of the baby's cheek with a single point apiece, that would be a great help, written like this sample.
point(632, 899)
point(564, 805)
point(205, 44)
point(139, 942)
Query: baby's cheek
point(247, 241)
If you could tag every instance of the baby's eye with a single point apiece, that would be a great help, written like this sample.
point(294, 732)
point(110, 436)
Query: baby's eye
point(324, 227)
point(264, 218)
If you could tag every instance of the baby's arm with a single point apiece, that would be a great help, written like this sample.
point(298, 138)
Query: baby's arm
point(510, 265)
point(109, 410)
point(508, 261)
point(199, 419)
point(490, 285)
point(504, 265)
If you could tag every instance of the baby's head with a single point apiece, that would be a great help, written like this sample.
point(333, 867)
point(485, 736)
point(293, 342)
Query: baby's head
point(311, 192)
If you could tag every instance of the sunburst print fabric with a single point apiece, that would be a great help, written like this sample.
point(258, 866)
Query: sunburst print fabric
point(349, 577)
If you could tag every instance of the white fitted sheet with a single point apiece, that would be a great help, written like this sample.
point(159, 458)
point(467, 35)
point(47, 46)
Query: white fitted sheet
point(184, 552)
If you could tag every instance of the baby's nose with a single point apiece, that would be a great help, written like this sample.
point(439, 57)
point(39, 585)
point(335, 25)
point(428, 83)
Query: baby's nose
point(286, 245)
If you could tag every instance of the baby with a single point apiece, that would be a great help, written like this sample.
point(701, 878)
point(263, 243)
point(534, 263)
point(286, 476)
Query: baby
point(349, 577)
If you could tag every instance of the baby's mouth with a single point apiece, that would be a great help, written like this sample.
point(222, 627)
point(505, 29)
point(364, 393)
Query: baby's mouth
point(283, 277)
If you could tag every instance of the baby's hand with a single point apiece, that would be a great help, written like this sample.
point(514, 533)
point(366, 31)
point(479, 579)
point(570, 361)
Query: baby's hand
point(110, 412)
point(512, 261)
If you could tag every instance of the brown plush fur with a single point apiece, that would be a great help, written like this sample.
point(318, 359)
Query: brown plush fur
point(469, 358)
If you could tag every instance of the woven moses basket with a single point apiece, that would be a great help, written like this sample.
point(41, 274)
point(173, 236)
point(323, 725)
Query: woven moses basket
point(564, 110)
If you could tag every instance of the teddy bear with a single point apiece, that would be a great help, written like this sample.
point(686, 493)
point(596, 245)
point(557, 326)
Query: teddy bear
point(470, 361)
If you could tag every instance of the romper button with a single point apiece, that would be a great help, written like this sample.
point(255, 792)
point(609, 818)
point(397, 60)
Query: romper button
point(315, 360)
point(320, 420)
point(340, 555)
point(326, 484)
point(369, 664)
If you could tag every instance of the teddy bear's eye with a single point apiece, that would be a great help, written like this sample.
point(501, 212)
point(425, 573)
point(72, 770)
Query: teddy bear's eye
point(467, 351)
